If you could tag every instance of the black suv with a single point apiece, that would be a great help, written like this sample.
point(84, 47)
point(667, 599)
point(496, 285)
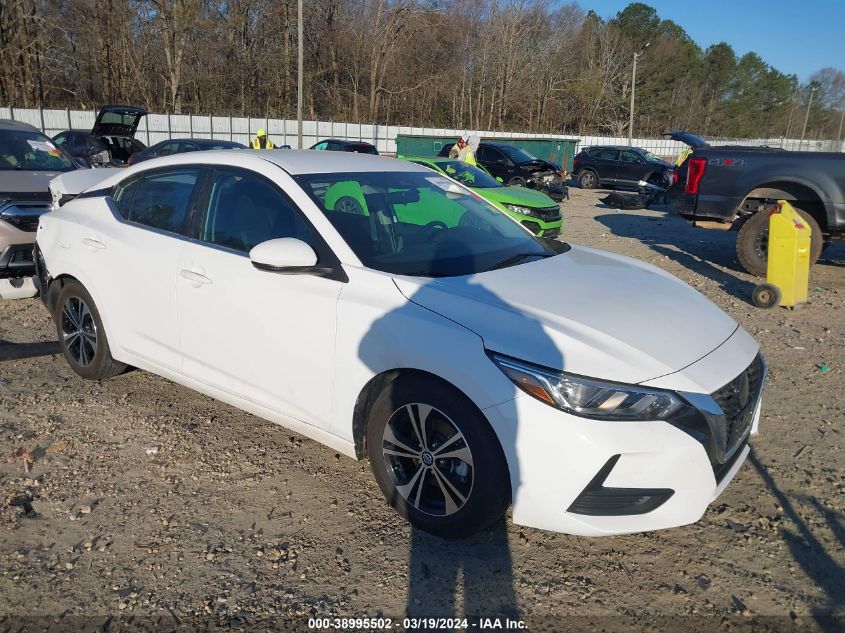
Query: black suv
point(625, 166)
point(515, 166)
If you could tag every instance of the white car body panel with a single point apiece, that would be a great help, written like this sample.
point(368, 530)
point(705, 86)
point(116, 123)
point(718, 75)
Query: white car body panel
point(299, 350)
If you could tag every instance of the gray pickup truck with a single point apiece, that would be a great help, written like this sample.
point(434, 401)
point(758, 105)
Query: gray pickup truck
point(733, 187)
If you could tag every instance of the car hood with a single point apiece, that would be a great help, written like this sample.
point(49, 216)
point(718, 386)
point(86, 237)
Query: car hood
point(522, 196)
point(585, 311)
point(26, 185)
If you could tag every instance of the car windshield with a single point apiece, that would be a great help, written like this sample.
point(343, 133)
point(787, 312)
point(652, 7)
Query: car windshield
point(467, 174)
point(421, 224)
point(516, 154)
point(653, 158)
point(31, 151)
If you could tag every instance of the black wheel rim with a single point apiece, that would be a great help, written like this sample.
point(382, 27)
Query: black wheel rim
point(79, 331)
point(428, 459)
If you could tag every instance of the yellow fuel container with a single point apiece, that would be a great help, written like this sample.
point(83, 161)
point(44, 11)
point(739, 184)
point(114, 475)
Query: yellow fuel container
point(788, 268)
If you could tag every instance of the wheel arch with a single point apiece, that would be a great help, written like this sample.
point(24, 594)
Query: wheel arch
point(792, 191)
point(379, 383)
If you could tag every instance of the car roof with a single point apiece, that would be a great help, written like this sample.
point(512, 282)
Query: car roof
point(9, 124)
point(294, 162)
point(343, 140)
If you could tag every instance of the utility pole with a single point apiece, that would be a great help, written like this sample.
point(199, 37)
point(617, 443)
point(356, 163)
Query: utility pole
point(807, 116)
point(841, 121)
point(633, 87)
point(299, 78)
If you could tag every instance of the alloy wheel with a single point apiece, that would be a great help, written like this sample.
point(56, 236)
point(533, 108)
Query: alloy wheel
point(79, 331)
point(428, 459)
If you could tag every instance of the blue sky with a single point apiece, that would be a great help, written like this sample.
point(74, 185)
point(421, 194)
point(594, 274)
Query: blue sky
point(794, 37)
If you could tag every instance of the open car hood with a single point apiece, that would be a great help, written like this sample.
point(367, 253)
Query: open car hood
point(117, 120)
point(693, 140)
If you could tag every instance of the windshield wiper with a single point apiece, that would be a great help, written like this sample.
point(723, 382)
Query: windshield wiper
point(514, 259)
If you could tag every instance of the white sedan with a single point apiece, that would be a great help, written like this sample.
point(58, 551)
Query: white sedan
point(392, 314)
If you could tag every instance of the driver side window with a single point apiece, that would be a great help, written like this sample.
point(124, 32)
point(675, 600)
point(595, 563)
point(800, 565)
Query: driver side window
point(630, 157)
point(244, 210)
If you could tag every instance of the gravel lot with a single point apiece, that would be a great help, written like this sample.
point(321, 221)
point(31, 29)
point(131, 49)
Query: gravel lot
point(236, 522)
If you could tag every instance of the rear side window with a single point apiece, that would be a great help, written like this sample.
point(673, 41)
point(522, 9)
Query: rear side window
point(605, 154)
point(162, 199)
point(630, 157)
point(123, 196)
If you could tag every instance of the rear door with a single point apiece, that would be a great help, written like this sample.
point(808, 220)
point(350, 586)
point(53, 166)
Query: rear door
point(136, 259)
point(606, 162)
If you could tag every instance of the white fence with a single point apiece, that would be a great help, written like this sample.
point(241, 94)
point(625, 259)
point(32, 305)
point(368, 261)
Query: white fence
point(159, 127)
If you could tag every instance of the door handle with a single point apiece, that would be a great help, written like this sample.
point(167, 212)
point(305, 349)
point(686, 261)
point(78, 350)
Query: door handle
point(91, 243)
point(194, 277)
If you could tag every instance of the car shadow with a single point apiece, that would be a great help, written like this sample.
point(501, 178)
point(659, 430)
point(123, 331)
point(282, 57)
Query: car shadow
point(707, 252)
point(809, 552)
point(18, 351)
point(471, 577)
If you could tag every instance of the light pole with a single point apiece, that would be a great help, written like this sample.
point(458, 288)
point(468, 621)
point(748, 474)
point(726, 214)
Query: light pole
point(299, 78)
point(633, 86)
point(807, 116)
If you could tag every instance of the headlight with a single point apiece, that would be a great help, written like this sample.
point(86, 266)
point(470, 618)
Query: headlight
point(518, 209)
point(587, 397)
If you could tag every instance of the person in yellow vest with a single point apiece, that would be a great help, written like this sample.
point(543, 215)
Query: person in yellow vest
point(683, 156)
point(464, 150)
point(261, 141)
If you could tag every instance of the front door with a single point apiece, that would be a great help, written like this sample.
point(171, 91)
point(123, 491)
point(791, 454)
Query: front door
point(630, 168)
point(263, 336)
point(494, 161)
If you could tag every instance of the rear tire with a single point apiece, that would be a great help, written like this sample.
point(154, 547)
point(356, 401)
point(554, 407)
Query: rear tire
point(752, 242)
point(587, 179)
point(82, 337)
point(436, 459)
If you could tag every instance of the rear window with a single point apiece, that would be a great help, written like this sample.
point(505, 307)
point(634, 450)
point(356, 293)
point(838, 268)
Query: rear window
point(605, 153)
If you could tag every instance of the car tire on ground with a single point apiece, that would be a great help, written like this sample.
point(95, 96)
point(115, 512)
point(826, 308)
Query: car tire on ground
point(753, 240)
point(436, 459)
point(587, 179)
point(82, 337)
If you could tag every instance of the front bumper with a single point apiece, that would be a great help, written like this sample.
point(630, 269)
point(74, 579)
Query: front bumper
point(593, 478)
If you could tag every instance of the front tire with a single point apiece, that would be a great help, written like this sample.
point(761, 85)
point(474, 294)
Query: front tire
point(82, 337)
point(436, 459)
point(752, 242)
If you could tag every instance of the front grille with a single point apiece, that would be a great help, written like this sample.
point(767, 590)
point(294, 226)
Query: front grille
point(737, 400)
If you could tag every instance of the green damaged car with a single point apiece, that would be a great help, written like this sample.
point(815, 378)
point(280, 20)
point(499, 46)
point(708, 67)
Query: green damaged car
point(531, 208)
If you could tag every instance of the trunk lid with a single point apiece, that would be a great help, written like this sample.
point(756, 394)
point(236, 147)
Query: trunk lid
point(117, 120)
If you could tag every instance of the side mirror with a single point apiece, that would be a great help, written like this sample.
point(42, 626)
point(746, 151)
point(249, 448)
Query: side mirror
point(284, 255)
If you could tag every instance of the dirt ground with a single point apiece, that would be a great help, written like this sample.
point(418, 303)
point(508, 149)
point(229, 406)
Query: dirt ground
point(149, 505)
